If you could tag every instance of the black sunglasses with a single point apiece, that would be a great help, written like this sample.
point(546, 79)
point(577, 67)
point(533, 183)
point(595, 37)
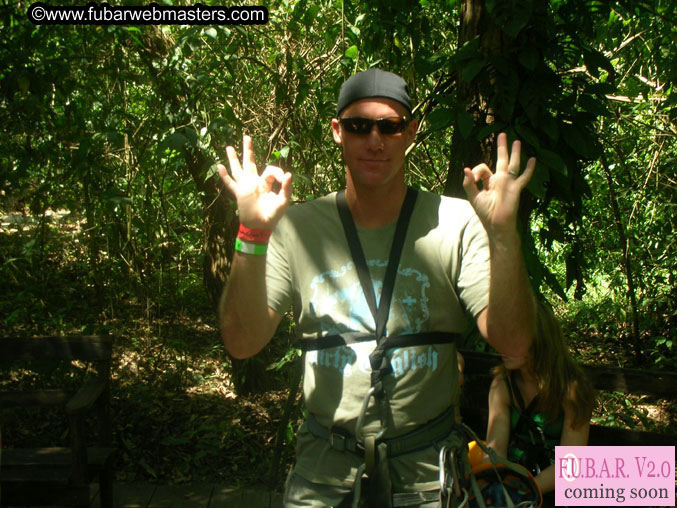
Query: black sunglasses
point(359, 125)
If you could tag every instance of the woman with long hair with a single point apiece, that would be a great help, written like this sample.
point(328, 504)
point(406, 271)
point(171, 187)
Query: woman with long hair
point(540, 401)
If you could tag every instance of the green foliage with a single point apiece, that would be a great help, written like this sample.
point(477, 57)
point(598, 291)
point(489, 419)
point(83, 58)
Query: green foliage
point(575, 82)
point(618, 410)
point(120, 127)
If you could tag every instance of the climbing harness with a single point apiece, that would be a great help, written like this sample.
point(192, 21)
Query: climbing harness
point(373, 485)
point(459, 487)
point(496, 483)
point(528, 436)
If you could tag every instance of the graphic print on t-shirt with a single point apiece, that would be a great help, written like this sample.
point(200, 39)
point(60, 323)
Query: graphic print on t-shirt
point(341, 308)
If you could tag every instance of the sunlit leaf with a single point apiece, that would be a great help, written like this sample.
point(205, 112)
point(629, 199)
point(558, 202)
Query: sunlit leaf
point(351, 52)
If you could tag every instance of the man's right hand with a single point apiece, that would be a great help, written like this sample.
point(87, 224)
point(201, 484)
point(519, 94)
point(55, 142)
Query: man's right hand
point(260, 203)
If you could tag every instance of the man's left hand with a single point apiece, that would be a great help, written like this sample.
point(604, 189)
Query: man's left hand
point(496, 204)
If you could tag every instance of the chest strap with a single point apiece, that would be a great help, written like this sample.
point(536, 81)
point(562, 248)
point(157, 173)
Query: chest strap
point(380, 366)
point(379, 313)
point(375, 448)
point(420, 438)
point(526, 425)
point(392, 342)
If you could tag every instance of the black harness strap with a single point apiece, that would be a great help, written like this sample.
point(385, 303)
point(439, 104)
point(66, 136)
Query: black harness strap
point(379, 314)
point(536, 454)
point(379, 362)
point(338, 340)
point(394, 341)
point(517, 395)
point(420, 438)
point(375, 450)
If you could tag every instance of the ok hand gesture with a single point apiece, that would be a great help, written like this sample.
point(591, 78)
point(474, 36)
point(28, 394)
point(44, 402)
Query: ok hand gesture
point(260, 204)
point(496, 204)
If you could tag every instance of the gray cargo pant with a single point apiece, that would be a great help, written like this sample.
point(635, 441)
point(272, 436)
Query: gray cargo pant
point(300, 492)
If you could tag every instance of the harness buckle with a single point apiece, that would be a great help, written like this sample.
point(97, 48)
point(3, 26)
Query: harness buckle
point(337, 441)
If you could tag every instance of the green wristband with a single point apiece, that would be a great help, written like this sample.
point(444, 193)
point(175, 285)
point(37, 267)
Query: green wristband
point(250, 248)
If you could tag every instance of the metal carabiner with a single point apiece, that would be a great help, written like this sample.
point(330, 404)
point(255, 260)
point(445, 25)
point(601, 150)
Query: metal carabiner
point(447, 463)
point(443, 471)
point(454, 472)
point(360, 419)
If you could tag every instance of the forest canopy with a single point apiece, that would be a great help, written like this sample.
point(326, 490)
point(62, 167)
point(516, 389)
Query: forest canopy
point(113, 218)
point(116, 130)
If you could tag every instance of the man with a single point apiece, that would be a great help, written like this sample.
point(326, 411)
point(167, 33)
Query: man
point(380, 366)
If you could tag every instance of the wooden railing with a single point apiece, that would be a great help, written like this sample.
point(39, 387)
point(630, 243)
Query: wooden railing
point(36, 475)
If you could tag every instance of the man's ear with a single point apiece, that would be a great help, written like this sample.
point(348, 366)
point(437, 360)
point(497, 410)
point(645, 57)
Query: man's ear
point(336, 131)
point(412, 128)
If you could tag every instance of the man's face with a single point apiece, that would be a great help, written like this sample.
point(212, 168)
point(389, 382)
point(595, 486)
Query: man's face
point(375, 159)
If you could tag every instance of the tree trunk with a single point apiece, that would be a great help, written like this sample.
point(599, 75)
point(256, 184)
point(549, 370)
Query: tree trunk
point(92, 239)
point(477, 98)
point(475, 21)
point(625, 251)
point(220, 229)
point(220, 220)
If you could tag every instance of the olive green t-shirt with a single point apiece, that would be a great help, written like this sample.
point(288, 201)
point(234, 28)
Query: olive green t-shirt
point(443, 275)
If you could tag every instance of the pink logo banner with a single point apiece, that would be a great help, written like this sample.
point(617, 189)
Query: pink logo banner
point(615, 476)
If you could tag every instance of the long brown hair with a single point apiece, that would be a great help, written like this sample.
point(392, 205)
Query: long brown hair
point(560, 379)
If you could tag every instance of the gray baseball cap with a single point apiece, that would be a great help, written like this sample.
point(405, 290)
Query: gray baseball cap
point(373, 83)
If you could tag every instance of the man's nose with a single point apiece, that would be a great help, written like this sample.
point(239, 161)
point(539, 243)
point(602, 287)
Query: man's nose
point(375, 138)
